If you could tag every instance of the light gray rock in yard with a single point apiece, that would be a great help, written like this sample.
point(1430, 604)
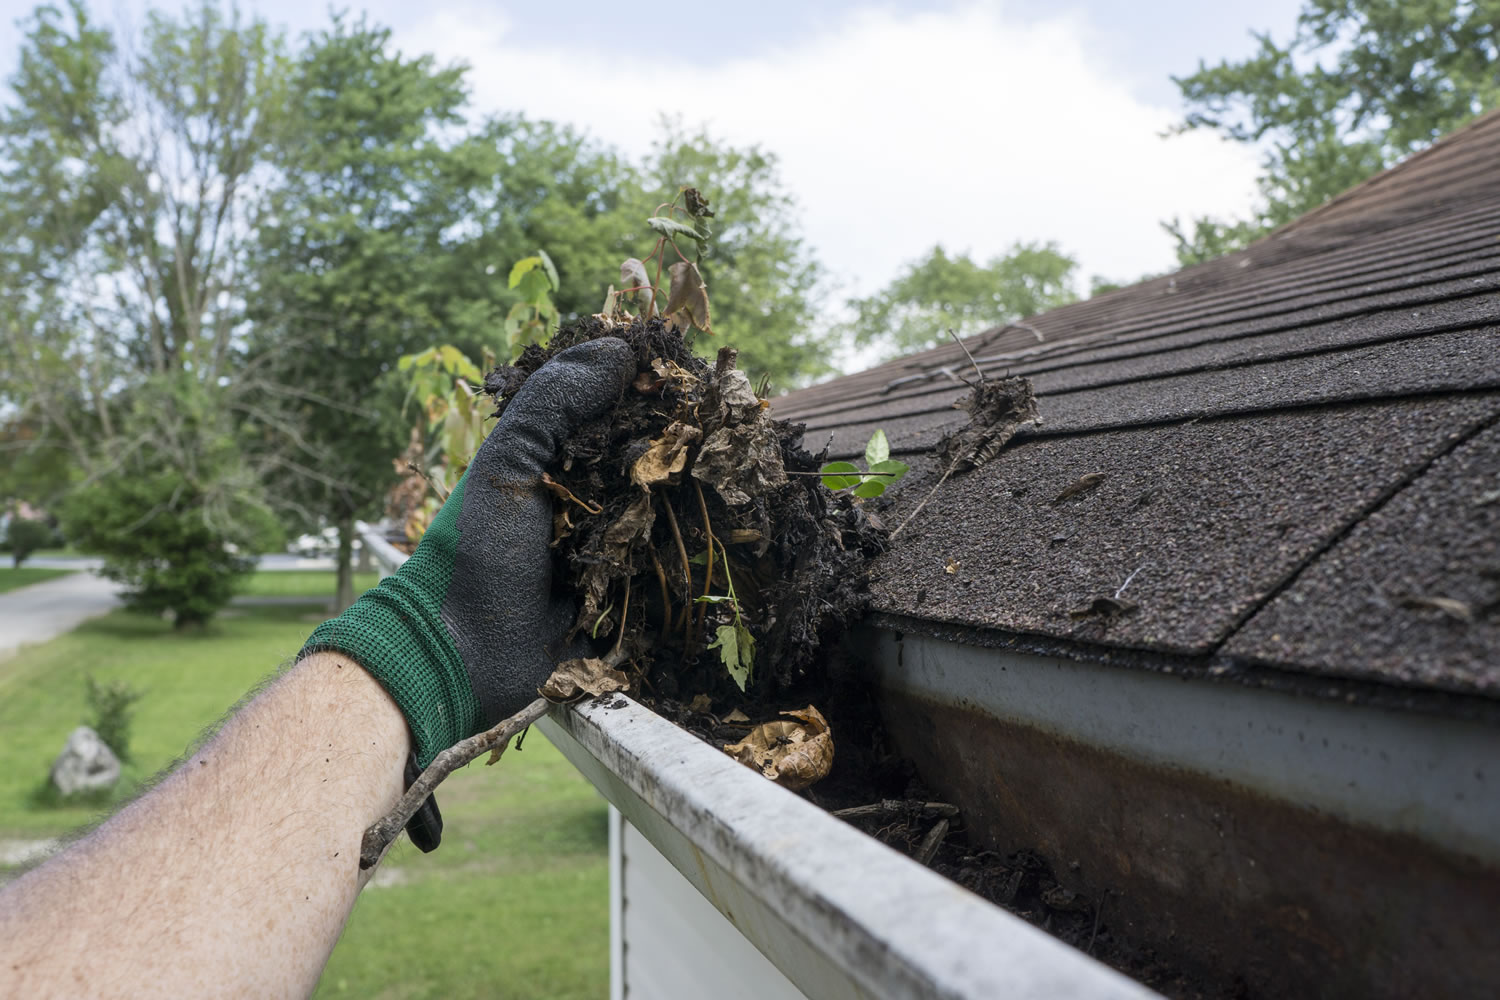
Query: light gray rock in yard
point(85, 764)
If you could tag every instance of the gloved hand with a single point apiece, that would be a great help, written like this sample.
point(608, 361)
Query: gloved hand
point(461, 635)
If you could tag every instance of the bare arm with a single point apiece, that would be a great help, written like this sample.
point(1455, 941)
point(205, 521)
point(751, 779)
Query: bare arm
point(235, 875)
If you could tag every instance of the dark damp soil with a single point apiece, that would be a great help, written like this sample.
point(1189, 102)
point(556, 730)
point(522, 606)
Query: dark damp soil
point(687, 490)
point(632, 541)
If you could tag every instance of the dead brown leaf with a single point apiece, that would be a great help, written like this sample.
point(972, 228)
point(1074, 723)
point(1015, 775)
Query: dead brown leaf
point(631, 529)
point(952, 566)
point(736, 716)
point(701, 703)
point(585, 676)
point(679, 377)
point(667, 456)
point(795, 755)
point(697, 205)
point(997, 408)
point(634, 280)
point(1453, 608)
point(742, 462)
point(688, 296)
point(1080, 486)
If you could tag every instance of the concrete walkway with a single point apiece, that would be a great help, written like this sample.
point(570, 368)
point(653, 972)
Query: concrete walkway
point(44, 610)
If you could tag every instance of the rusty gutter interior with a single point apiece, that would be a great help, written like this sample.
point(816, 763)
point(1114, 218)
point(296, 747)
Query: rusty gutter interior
point(1272, 842)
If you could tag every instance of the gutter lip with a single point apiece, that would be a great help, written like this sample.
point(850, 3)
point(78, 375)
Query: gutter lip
point(389, 557)
point(891, 927)
point(1216, 668)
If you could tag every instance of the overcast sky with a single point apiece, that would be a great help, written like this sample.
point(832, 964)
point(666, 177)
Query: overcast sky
point(898, 125)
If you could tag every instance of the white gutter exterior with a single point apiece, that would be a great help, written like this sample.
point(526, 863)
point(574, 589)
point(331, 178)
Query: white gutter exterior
point(839, 914)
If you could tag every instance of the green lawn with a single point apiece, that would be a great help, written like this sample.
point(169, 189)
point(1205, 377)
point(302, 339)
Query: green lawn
point(301, 583)
point(515, 902)
point(11, 578)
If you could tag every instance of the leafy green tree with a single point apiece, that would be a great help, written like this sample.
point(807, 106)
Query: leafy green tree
point(369, 254)
point(1361, 84)
point(177, 524)
point(539, 184)
point(940, 292)
point(25, 535)
point(762, 277)
point(130, 182)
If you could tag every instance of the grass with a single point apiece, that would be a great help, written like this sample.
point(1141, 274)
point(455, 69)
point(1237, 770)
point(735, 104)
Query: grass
point(11, 578)
point(301, 583)
point(528, 835)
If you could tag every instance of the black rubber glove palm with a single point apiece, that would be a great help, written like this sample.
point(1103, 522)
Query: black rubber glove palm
point(463, 634)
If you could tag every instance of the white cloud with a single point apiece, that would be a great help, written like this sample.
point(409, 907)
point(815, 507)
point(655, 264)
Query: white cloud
point(897, 131)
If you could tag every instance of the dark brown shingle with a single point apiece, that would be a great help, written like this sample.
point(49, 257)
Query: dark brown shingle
point(1276, 430)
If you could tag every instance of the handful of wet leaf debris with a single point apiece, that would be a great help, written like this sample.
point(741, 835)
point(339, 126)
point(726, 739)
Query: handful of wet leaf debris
point(695, 534)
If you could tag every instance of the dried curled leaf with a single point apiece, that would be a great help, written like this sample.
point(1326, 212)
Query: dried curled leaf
point(1080, 486)
point(630, 530)
point(666, 457)
point(742, 462)
point(997, 408)
point(675, 375)
point(795, 755)
point(585, 676)
point(697, 205)
point(687, 297)
point(633, 277)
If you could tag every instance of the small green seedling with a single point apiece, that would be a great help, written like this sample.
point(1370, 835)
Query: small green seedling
point(883, 471)
point(734, 642)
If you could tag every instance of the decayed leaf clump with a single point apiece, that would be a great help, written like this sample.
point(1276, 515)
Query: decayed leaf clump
point(997, 408)
point(792, 754)
point(694, 534)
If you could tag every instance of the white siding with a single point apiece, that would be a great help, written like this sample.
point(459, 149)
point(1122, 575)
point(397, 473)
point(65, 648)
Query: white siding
point(669, 942)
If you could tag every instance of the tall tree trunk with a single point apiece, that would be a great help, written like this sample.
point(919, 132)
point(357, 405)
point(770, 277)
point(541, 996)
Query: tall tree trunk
point(344, 596)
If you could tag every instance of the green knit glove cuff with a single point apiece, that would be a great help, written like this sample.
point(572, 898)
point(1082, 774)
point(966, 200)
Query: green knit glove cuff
point(396, 632)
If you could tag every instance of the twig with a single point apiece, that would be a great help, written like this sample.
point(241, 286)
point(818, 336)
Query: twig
point(979, 371)
point(930, 493)
point(624, 617)
point(379, 836)
point(885, 806)
point(687, 570)
point(1098, 911)
point(932, 842)
point(442, 494)
point(666, 596)
point(1129, 578)
point(708, 581)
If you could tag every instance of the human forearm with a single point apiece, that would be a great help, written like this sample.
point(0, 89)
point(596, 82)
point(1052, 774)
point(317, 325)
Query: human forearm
point(233, 876)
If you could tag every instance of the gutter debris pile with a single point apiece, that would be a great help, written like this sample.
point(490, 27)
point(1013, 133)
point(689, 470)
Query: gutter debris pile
point(704, 552)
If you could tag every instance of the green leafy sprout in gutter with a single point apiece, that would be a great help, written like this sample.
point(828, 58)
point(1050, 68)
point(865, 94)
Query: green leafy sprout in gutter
point(881, 472)
point(734, 642)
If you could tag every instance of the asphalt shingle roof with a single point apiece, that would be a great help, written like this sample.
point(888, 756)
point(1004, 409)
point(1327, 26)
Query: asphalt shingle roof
point(1298, 445)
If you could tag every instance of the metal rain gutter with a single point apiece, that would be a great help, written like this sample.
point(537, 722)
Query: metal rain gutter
point(840, 914)
point(1296, 843)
